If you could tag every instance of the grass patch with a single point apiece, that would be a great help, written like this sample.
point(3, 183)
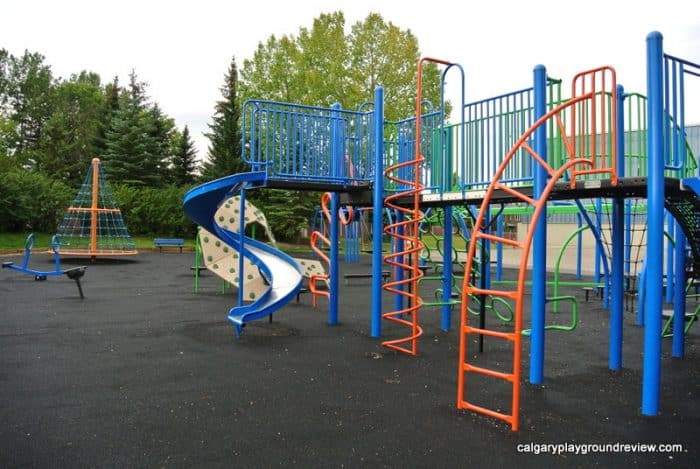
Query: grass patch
point(42, 241)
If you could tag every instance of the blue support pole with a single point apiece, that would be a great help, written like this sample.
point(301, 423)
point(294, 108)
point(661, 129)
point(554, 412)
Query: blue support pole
point(598, 248)
point(618, 248)
point(377, 211)
point(447, 271)
point(579, 246)
point(486, 252)
point(679, 296)
point(671, 227)
point(499, 247)
point(628, 243)
point(334, 257)
point(641, 295)
point(651, 372)
point(241, 237)
point(398, 245)
point(539, 254)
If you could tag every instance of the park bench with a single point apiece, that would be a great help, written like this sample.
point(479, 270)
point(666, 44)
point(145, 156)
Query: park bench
point(160, 243)
point(597, 289)
point(385, 276)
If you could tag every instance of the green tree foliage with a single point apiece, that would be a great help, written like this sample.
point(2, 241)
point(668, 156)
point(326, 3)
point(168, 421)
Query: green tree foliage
point(184, 160)
point(324, 65)
point(138, 140)
point(8, 141)
point(32, 201)
point(224, 152)
point(26, 99)
point(153, 211)
point(161, 134)
point(69, 139)
point(288, 212)
point(383, 54)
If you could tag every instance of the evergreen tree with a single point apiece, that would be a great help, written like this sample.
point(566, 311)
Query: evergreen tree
point(138, 140)
point(184, 160)
point(160, 144)
point(224, 152)
point(112, 92)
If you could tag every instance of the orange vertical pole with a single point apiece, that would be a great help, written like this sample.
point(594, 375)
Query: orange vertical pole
point(93, 209)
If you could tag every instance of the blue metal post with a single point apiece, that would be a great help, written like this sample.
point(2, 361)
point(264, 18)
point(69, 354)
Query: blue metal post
point(539, 254)
point(447, 271)
point(499, 248)
point(377, 211)
point(628, 243)
point(334, 258)
point(671, 227)
point(598, 248)
point(679, 296)
point(651, 372)
point(486, 252)
point(579, 247)
point(618, 247)
point(241, 237)
point(398, 245)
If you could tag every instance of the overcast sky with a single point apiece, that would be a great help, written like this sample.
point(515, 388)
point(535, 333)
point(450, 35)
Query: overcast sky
point(182, 49)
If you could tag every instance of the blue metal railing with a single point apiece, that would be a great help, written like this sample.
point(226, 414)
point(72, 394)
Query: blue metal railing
point(675, 71)
point(399, 146)
point(307, 143)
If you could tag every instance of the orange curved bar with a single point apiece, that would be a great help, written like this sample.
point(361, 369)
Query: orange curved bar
point(345, 219)
point(574, 163)
point(315, 292)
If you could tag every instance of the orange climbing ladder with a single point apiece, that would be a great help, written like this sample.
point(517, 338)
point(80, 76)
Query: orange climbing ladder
point(590, 116)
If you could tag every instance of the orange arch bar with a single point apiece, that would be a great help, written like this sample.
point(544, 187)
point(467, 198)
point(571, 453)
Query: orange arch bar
point(574, 163)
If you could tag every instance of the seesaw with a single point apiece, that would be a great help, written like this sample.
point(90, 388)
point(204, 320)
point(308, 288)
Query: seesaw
point(75, 273)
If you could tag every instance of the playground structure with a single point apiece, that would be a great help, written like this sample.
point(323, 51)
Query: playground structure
point(93, 225)
point(75, 273)
point(526, 150)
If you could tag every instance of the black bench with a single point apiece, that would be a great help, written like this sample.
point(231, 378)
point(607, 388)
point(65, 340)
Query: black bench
point(160, 243)
point(598, 289)
point(385, 276)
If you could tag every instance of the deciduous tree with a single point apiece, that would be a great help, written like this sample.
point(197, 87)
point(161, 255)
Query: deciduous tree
point(324, 65)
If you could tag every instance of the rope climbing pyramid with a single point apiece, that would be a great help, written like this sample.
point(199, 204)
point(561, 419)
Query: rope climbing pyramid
point(93, 225)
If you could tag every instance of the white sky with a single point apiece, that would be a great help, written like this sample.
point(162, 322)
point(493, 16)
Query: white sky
point(182, 49)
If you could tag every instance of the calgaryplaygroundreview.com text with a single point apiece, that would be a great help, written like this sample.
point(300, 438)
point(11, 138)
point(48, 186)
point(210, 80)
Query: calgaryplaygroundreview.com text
point(589, 448)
